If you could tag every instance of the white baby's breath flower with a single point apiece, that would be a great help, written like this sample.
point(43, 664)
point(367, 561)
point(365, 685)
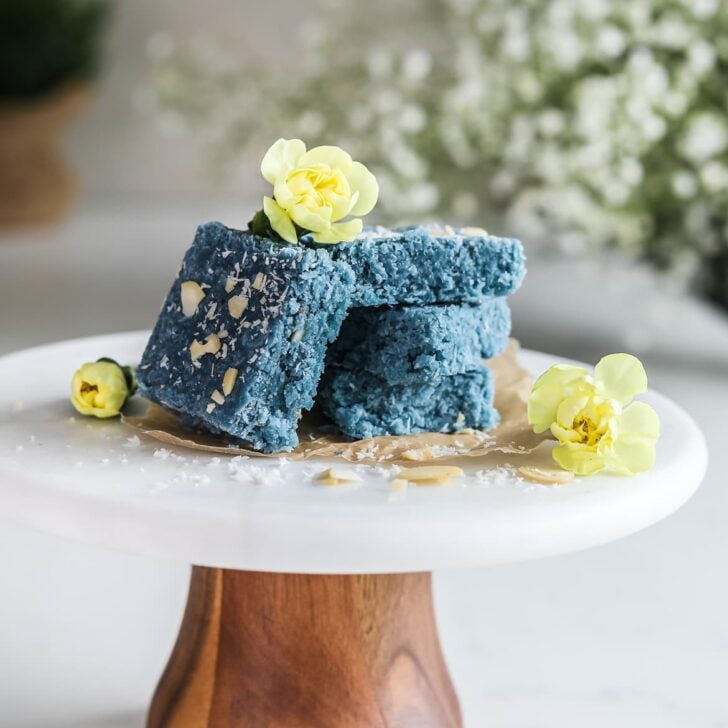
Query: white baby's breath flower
point(616, 193)
point(566, 49)
point(387, 100)
point(594, 156)
point(456, 143)
point(631, 171)
point(675, 103)
point(594, 10)
point(551, 122)
point(611, 41)
point(684, 184)
point(360, 118)
point(714, 175)
point(640, 60)
point(516, 41)
point(702, 9)
point(706, 136)
point(310, 123)
point(548, 163)
point(416, 65)
point(671, 31)
point(503, 183)
point(412, 119)
point(527, 85)
point(406, 162)
point(701, 56)
point(655, 81)
point(653, 127)
point(423, 197)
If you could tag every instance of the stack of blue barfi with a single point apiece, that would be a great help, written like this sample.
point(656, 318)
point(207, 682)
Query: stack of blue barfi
point(428, 307)
point(405, 315)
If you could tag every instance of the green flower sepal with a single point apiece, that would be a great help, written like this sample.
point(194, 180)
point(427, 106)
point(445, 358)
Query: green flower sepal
point(260, 225)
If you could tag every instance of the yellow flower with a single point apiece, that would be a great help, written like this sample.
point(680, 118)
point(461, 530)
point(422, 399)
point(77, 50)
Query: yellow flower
point(593, 417)
point(315, 190)
point(101, 388)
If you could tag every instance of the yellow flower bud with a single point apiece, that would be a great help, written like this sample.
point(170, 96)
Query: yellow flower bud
point(100, 389)
point(315, 190)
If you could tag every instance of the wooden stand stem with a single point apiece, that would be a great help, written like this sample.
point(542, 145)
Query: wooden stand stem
point(273, 650)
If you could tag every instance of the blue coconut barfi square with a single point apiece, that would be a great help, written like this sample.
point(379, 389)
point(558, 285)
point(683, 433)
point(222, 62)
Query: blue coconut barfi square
point(240, 343)
point(403, 345)
point(364, 406)
point(426, 264)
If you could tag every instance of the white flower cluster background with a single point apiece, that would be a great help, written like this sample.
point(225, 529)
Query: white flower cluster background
point(580, 124)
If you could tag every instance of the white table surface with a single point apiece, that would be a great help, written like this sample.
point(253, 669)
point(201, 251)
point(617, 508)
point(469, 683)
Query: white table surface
point(633, 634)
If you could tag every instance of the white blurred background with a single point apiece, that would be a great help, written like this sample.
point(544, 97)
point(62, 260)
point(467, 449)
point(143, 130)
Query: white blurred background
point(633, 634)
point(119, 151)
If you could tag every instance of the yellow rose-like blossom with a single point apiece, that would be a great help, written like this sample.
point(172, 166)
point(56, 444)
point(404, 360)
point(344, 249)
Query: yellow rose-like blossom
point(315, 190)
point(593, 416)
point(100, 389)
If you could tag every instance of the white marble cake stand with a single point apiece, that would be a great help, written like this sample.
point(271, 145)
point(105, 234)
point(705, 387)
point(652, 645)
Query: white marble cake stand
point(309, 605)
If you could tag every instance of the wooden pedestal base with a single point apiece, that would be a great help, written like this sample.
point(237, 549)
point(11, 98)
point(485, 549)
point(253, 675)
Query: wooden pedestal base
point(273, 650)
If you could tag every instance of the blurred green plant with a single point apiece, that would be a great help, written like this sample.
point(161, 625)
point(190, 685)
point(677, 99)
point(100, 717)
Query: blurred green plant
point(579, 123)
point(44, 43)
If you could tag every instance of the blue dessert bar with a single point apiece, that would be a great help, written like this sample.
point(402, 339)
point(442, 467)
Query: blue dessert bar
point(402, 345)
point(366, 406)
point(240, 343)
point(424, 264)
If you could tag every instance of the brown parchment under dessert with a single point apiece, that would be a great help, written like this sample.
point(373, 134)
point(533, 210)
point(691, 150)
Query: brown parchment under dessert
point(512, 436)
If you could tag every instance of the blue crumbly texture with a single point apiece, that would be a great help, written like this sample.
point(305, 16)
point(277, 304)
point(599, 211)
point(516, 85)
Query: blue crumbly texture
point(363, 406)
point(402, 345)
point(414, 265)
point(297, 299)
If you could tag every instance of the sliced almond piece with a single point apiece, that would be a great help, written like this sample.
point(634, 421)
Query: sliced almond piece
point(237, 305)
point(424, 453)
point(259, 281)
point(230, 284)
point(210, 408)
point(431, 474)
point(440, 230)
point(211, 345)
point(398, 485)
point(474, 232)
point(341, 474)
point(190, 294)
point(228, 381)
point(217, 397)
point(546, 476)
point(337, 476)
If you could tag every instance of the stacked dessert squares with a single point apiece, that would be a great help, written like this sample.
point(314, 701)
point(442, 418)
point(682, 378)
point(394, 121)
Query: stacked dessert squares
point(415, 364)
point(400, 319)
point(415, 369)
